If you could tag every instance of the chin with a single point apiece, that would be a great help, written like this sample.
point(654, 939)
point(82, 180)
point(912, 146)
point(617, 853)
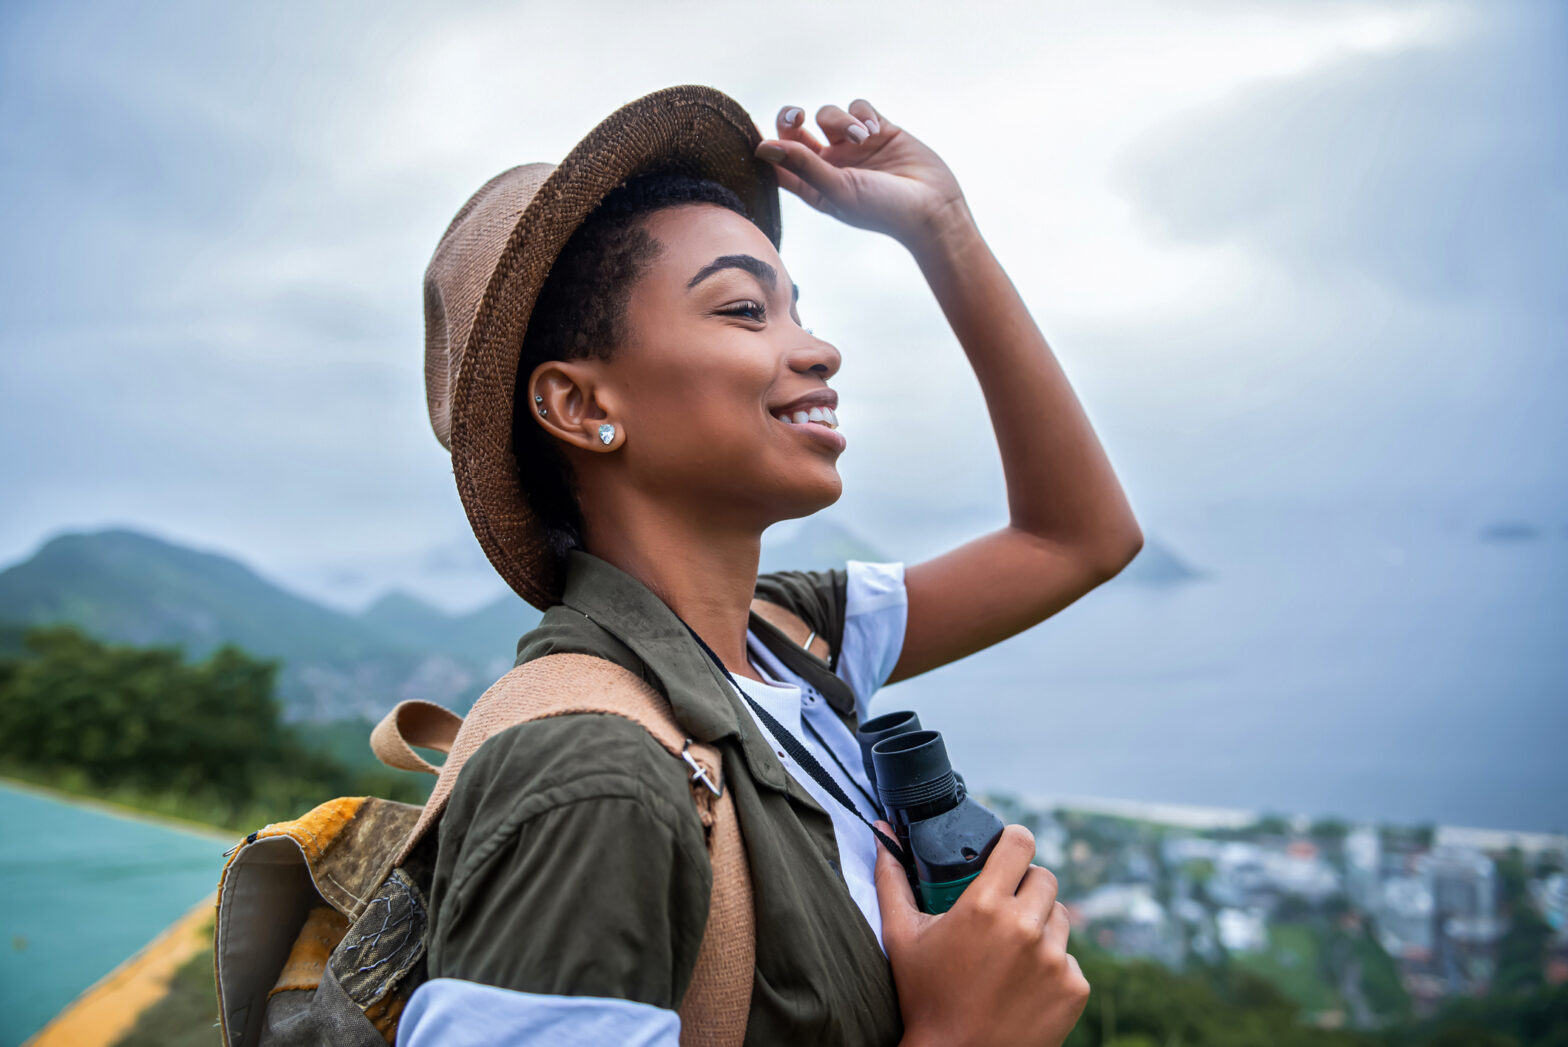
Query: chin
point(826, 490)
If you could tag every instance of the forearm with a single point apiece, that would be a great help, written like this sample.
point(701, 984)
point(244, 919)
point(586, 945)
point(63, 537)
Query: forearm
point(1060, 484)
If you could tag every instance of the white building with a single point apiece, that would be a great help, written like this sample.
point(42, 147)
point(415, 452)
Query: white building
point(1242, 930)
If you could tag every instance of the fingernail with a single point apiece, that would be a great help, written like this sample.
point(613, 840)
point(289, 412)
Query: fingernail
point(873, 125)
point(771, 153)
point(856, 134)
point(792, 116)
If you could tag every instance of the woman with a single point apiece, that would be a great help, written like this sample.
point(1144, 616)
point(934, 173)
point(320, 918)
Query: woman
point(669, 406)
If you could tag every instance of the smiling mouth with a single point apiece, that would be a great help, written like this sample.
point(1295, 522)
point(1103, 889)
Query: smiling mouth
point(823, 416)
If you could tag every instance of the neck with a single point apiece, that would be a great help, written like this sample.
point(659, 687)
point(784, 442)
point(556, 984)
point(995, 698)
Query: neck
point(702, 567)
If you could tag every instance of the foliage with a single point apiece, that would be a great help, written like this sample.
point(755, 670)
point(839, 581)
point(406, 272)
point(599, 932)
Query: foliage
point(1293, 963)
point(1521, 954)
point(1329, 829)
point(1224, 1006)
point(141, 725)
point(1528, 1019)
point(1380, 983)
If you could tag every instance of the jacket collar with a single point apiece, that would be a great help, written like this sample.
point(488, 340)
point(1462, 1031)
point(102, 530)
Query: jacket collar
point(704, 702)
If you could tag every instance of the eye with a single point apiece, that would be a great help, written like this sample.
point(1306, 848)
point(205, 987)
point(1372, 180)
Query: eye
point(749, 309)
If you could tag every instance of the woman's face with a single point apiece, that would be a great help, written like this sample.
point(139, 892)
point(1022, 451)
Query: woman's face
point(713, 360)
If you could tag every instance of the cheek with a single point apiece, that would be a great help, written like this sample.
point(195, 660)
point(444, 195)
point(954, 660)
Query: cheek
point(693, 398)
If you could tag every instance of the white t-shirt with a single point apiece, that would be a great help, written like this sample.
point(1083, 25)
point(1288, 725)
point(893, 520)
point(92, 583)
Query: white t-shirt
point(875, 610)
point(449, 1012)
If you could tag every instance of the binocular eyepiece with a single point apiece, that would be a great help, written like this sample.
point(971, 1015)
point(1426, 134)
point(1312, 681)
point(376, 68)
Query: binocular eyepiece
point(948, 835)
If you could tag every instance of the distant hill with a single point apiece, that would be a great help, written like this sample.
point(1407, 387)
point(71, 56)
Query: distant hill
point(1158, 565)
point(819, 544)
point(486, 636)
point(129, 587)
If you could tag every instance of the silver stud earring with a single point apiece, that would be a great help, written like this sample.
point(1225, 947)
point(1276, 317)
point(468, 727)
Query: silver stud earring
point(543, 411)
point(607, 434)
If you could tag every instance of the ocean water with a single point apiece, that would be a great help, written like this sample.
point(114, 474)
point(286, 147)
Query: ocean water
point(1325, 667)
point(84, 889)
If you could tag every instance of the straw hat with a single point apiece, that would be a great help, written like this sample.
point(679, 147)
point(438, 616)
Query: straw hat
point(490, 264)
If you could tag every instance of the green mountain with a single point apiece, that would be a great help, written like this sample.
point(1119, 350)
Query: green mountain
point(128, 587)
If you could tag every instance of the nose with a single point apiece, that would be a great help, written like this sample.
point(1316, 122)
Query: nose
point(815, 356)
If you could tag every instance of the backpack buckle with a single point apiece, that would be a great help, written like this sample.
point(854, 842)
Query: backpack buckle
point(699, 773)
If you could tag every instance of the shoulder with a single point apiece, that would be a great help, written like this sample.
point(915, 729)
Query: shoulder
point(571, 860)
point(563, 761)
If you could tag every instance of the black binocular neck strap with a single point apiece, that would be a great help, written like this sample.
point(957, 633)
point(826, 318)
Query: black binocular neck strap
point(801, 755)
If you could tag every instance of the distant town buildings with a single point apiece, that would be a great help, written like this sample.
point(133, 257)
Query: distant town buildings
point(1362, 924)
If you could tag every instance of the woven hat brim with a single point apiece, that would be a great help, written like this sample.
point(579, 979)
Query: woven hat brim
point(690, 130)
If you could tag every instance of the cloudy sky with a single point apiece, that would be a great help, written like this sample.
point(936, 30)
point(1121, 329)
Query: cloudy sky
point(1307, 258)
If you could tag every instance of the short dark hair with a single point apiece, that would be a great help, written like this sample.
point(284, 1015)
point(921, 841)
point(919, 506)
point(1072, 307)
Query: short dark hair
point(580, 313)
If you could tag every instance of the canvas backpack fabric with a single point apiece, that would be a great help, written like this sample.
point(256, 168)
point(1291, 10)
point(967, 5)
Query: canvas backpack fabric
point(320, 933)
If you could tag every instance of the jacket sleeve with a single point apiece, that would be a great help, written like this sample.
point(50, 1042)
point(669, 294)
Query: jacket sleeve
point(571, 861)
point(818, 597)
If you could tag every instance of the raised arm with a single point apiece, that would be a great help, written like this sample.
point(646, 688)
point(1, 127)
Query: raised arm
point(1069, 525)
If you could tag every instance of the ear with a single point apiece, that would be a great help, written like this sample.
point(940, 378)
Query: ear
point(570, 402)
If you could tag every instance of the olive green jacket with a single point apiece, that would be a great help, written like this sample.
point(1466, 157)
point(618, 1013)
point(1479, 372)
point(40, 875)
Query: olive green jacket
point(571, 859)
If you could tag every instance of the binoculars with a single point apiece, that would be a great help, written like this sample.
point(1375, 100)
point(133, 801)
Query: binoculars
point(947, 835)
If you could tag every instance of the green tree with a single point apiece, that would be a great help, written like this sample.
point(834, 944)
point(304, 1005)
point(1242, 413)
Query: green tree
point(144, 719)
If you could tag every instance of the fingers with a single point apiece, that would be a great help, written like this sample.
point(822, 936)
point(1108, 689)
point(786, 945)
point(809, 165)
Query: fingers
point(840, 127)
point(867, 114)
point(894, 896)
point(791, 181)
point(1038, 890)
point(1057, 928)
point(808, 169)
point(792, 127)
point(1005, 868)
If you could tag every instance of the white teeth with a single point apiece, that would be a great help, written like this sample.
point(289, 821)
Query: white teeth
point(824, 416)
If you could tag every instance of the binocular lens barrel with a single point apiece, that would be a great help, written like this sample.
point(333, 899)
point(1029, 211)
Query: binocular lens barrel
point(946, 834)
point(877, 728)
point(914, 775)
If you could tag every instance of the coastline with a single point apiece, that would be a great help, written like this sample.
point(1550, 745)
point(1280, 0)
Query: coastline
point(1210, 818)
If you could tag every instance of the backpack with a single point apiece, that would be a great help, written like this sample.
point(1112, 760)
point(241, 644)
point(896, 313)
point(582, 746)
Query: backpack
point(321, 921)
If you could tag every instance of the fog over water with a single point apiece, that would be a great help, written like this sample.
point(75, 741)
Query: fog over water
point(1416, 678)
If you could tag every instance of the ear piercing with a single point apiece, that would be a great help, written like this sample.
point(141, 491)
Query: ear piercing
point(607, 434)
point(543, 411)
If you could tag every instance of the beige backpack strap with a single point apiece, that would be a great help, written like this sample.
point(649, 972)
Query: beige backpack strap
point(411, 723)
point(792, 626)
point(718, 1000)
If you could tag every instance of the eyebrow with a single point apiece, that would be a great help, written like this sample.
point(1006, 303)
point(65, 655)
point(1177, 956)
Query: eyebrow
point(765, 273)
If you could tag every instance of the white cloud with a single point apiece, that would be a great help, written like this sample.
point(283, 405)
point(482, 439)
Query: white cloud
point(249, 354)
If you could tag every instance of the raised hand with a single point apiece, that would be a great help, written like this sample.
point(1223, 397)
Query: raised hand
point(993, 969)
point(869, 173)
